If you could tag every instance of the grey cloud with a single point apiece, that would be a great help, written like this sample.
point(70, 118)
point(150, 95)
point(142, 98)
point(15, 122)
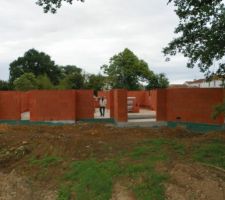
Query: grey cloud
point(88, 34)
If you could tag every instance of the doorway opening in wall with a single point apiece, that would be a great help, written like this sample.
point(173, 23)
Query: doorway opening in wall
point(140, 106)
point(25, 116)
point(102, 113)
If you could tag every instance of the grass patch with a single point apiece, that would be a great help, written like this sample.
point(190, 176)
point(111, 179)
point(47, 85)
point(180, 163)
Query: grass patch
point(147, 184)
point(64, 193)
point(92, 180)
point(212, 152)
point(157, 148)
point(46, 161)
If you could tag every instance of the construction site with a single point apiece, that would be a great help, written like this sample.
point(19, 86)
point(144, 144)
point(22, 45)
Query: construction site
point(150, 145)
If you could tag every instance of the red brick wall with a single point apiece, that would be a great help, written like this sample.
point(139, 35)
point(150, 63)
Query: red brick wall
point(25, 102)
point(49, 105)
point(140, 96)
point(152, 99)
point(10, 105)
point(120, 105)
point(193, 105)
point(111, 96)
point(85, 104)
point(161, 104)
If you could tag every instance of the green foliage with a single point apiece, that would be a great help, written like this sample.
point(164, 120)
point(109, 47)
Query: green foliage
point(46, 161)
point(125, 70)
point(157, 81)
point(72, 78)
point(25, 82)
point(200, 34)
point(212, 152)
point(219, 109)
point(4, 85)
point(37, 63)
point(53, 5)
point(92, 180)
point(43, 82)
point(70, 69)
point(72, 81)
point(95, 82)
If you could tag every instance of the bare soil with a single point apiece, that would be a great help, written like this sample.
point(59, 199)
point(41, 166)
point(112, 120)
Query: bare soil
point(21, 180)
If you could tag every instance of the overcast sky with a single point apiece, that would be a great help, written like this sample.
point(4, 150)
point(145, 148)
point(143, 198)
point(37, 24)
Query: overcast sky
point(88, 34)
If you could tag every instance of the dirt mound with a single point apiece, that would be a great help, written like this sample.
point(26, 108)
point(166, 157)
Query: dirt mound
point(13, 187)
point(195, 182)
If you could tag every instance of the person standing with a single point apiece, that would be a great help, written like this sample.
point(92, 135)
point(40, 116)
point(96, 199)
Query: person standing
point(102, 105)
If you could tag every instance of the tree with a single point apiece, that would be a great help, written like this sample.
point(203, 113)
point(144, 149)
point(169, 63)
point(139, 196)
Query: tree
point(72, 78)
point(70, 69)
point(95, 82)
point(4, 85)
point(201, 35)
point(37, 63)
point(26, 82)
point(44, 83)
point(157, 81)
point(53, 5)
point(126, 70)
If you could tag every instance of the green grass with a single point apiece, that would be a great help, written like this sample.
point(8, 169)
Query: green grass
point(92, 180)
point(46, 161)
point(158, 148)
point(64, 193)
point(212, 152)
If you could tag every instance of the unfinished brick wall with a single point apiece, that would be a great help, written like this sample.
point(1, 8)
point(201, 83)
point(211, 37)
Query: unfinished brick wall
point(111, 97)
point(140, 96)
point(189, 105)
point(85, 104)
point(50, 105)
point(161, 104)
point(152, 100)
point(120, 105)
point(10, 105)
point(25, 102)
point(145, 98)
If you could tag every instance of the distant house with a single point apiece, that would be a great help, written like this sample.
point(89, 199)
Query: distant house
point(203, 83)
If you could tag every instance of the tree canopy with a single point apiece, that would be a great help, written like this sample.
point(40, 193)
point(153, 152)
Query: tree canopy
point(53, 5)
point(95, 82)
point(26, 82)
point(4, 85)
point(201, 35)
point(72, 78)
point(126, 70)
point(34, 62)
